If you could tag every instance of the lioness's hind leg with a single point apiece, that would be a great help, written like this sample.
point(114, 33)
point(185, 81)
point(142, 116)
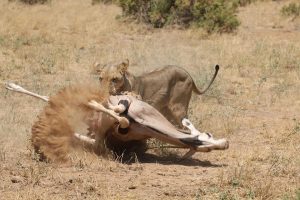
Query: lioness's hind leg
point(171, 117)
point(178, 112)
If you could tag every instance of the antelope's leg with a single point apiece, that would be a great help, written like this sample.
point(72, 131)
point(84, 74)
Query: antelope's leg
point(189, 154)
point(85, 138)
point(17, 88)
point(124, 123)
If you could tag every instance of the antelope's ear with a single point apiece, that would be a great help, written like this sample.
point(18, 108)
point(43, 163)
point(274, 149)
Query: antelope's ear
point(123, 66)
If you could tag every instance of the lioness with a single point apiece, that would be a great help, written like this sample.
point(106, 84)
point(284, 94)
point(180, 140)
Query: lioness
point(168, 89)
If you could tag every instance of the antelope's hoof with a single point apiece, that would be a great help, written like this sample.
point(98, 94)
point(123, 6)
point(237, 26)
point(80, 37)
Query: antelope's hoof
point(222, 144)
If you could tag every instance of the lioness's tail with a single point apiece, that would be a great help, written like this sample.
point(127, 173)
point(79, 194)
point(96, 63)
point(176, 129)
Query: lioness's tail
point(197, 91)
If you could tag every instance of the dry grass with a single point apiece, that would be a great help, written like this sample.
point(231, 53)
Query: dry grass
point(255, 102)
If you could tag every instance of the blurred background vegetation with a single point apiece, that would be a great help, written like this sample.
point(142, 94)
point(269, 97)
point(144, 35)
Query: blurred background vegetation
point(212, 15)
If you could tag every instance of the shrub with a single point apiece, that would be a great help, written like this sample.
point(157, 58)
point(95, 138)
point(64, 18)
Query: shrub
point(243, 2)
point(100, 1)
point(31, 2)
point(155, 12)
point(215, 16)
point(292, 9)
point(212, 15)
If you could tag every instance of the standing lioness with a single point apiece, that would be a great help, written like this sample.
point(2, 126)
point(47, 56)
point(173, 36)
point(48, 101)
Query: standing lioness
point(168, 89)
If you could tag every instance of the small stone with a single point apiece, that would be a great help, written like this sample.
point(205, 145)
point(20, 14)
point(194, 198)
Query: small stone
point(16, 179)
point(166, 193)
point(132, 187)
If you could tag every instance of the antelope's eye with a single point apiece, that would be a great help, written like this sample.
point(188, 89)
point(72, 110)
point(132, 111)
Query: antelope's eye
point(114, 80)
point(100, 78)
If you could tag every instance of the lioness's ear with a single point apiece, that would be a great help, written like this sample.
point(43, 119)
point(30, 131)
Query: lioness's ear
point(98, 68)
point(123, 66)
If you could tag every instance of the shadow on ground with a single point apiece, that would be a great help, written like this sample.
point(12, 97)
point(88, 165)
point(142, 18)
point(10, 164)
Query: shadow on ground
point(172, 159)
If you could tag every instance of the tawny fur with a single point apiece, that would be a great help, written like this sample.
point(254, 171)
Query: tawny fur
point(53, 132)
point(168, 89)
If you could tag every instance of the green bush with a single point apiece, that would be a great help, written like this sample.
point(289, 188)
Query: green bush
point(212, 15)
point(243, 2)
point(292, 9)
point(100, 1)
point(31, 2)
point(215, 16)
point(155, 12)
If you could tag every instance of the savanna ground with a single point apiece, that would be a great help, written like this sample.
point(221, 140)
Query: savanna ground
point(254, 102)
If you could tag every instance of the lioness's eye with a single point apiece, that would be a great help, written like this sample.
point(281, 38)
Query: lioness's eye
point(114, 80)
point(100, 78)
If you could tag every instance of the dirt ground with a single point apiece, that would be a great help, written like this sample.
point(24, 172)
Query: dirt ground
point(254, 102)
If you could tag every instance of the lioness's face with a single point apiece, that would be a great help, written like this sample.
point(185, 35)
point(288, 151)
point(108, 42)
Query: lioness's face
point(113, 75)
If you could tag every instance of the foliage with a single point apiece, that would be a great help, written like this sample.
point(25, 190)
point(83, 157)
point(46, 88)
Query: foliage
point(292, 9)
point(215, 16)
point(212, 15)
point(101, 1)
point(243, 2)
point(31, 2)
